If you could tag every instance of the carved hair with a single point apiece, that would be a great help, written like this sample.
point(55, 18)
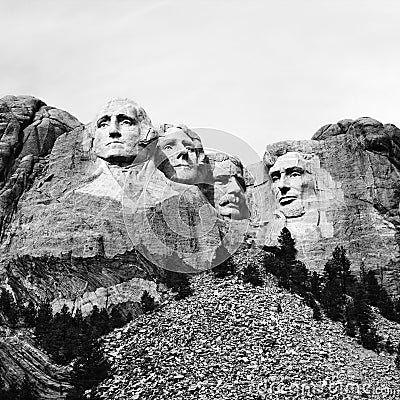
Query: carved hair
point(188, 132)
point(220, 157)
point(271, 158)
point(147, 131)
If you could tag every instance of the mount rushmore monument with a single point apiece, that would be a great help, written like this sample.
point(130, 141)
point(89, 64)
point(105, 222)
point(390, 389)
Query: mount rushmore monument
point(96, 215)
point(92, 208)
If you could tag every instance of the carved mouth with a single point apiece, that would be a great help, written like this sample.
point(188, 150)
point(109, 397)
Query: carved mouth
point(231, 202)
point(182, 166)
point(284, 201)
point(114, 142)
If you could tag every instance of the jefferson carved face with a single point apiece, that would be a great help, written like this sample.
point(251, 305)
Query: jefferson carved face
point(183, 155)
point(117, 133)
point(292, 183)
point(229, 190)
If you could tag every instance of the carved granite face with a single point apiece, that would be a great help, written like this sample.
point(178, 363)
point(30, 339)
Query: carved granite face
point(229, 191)
point(292, 183)
point(183, 153)
point(117, 133)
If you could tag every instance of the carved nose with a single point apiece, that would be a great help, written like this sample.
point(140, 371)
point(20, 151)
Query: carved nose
point(114, 129)
point(183, 153)
point(283, 183)
point(233, 186)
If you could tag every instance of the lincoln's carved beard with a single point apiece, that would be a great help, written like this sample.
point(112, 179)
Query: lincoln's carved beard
point(294, 209)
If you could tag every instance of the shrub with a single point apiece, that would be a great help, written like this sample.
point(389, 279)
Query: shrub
point(147, 302)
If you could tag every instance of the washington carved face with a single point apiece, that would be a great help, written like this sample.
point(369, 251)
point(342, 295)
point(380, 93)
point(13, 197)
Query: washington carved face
point(291, 183)
point(183, 156)
point(117, 133)
point(229, 191)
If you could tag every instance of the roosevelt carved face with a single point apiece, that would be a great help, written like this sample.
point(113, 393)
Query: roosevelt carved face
point(229, 191)
point(183, 155)
point(117, 132)
point(292, 183)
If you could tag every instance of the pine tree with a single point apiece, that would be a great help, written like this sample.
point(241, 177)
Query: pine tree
point(377, 296)
point(224, 269)
point(397, 359)
point(338, 267)
point(299, 277)
point(9, 307)
point(311, 302)
point(389, 347)
point(332, 298)
point(27, 390)
point(253, 274)
point(89, 369)
point(29, 315)
point(396, 303)
point(291, 273)
point(99, 322)
point(13, 391)
point(147, 302)
point(350, 320)
point(372, 288)
point(315, 285)
point(59, 343)
point(117, 320)
point(4, 395)
point(286, 256)
point(363, 312)
point(227, 266)
point(179, 283)
point(386, 305)
point(287, 247)
point(339, 282)
point(82, 332)
point(5, 302)
point(43, 323)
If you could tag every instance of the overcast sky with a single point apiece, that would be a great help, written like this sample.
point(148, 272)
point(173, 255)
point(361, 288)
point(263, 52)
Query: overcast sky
point(261, 70)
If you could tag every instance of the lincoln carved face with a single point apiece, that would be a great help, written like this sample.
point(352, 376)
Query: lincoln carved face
point(183, 155)
point(229, 187)
point(119, 129)
point(292, 183)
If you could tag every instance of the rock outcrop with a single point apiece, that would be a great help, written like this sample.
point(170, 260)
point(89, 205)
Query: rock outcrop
point(20, 355)
point(348, 195)
point(28, 130)
point(88, 218)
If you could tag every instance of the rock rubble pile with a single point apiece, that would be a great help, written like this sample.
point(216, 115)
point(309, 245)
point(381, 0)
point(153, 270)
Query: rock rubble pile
point(234, 341)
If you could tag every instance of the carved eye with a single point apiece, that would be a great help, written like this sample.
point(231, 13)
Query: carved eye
point(275, 178)
point(127, 122)
point(103, 124)
point(191, 149)
point(167, 147)
point(222, 180)
point(295, 174)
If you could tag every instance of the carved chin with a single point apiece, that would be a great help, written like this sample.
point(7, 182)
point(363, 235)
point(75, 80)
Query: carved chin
point(293, 210)
point(185, 175)
point(233, 213)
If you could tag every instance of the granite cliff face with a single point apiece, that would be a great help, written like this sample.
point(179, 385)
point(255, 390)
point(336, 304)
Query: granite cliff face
point(37, 257)
point(80, 228)
point(348, 195)
point(28, 130)
point(85, 225)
